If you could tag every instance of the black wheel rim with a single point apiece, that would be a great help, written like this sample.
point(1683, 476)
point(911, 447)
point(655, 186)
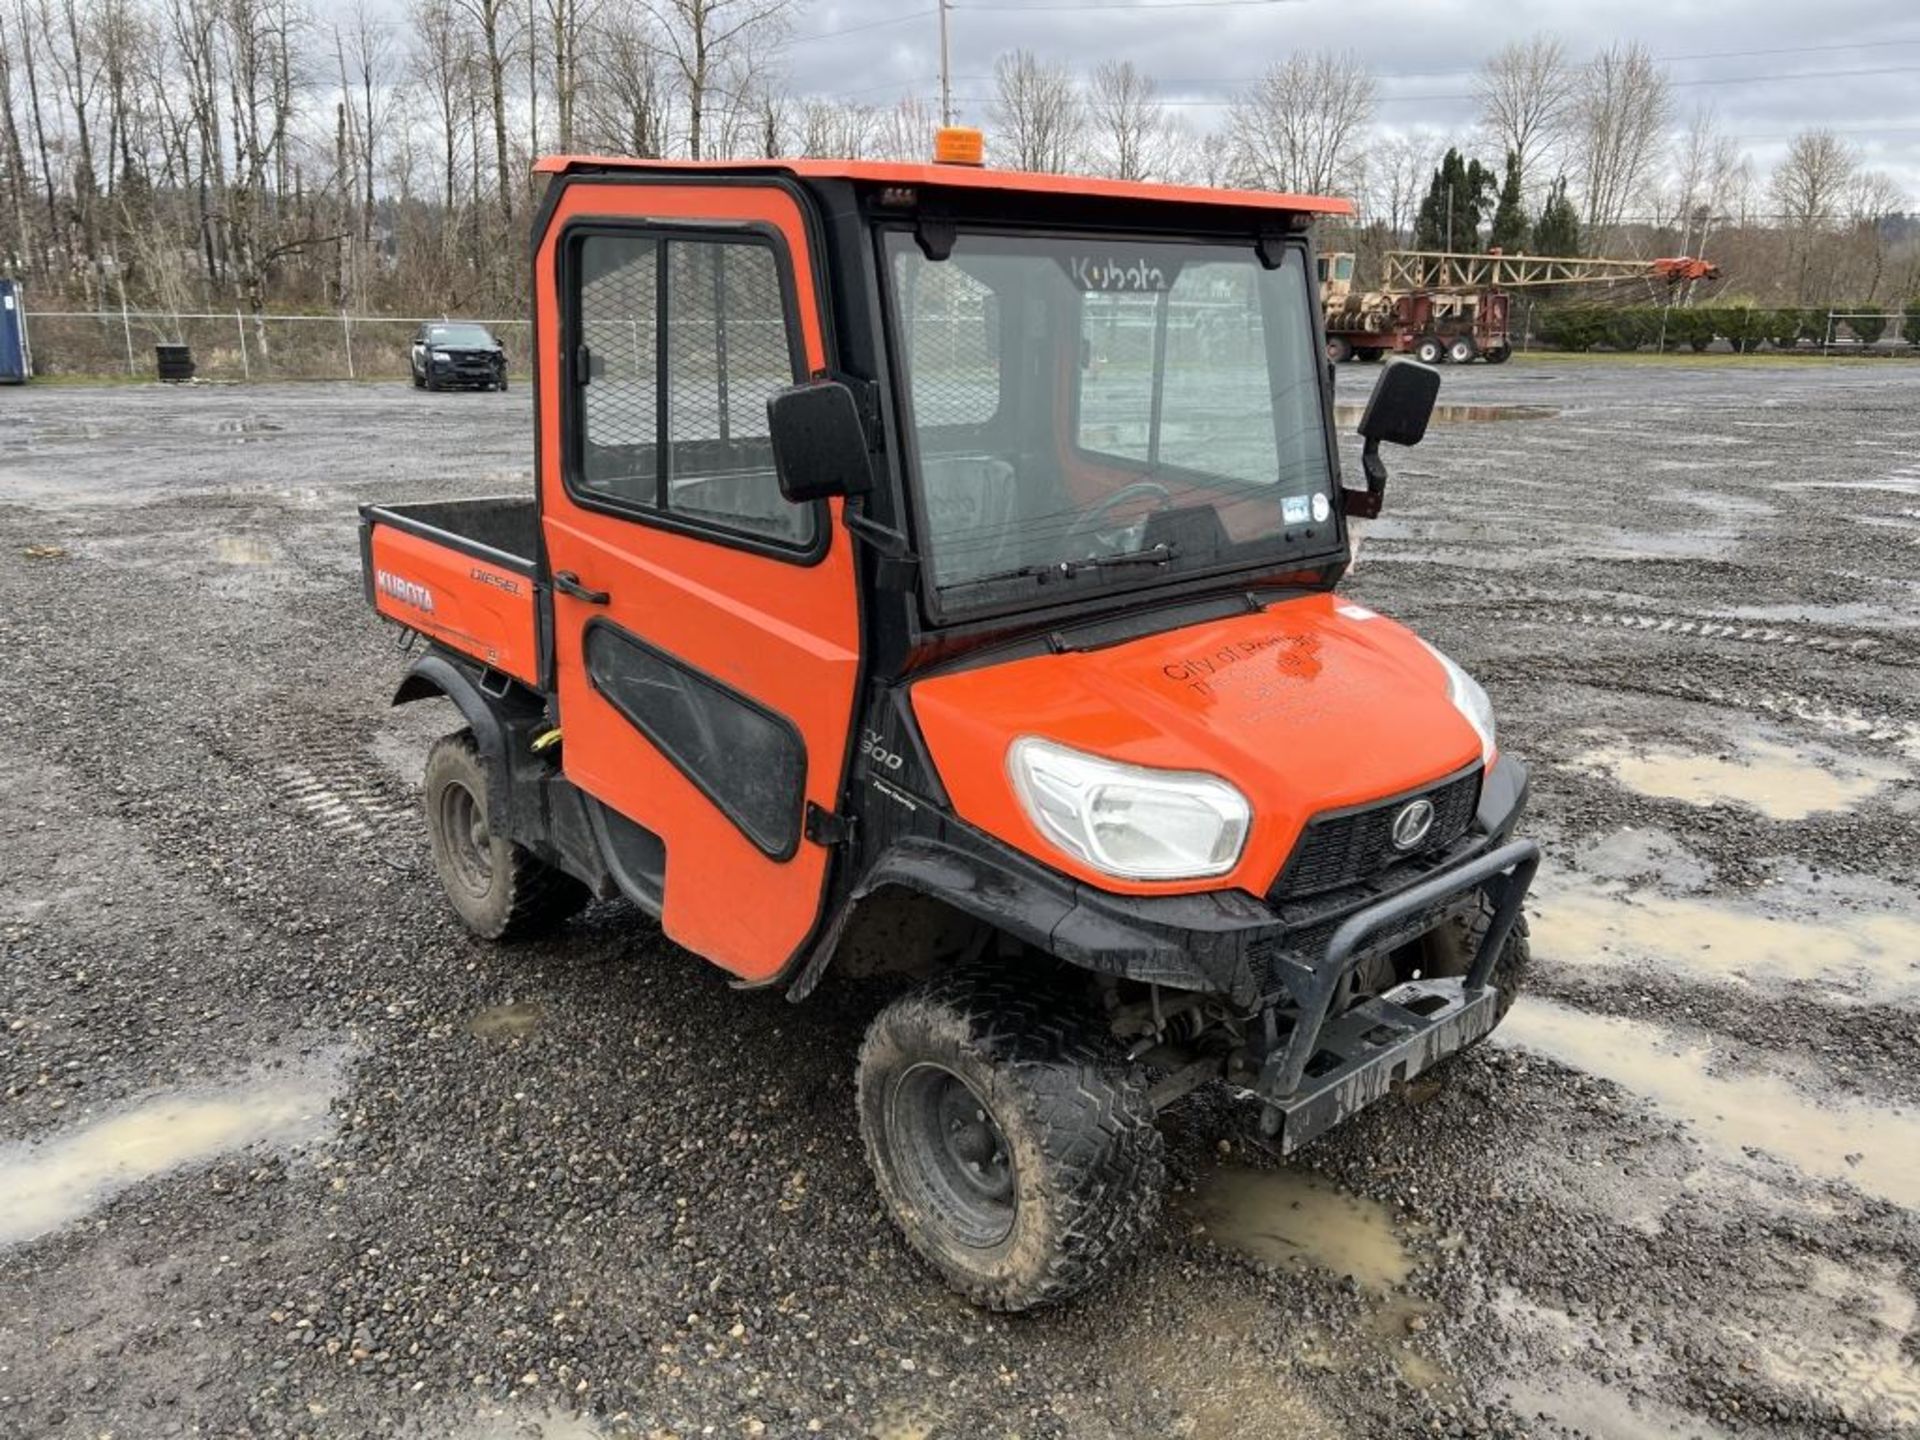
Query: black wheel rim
point(953, 1158)
point(469, 844)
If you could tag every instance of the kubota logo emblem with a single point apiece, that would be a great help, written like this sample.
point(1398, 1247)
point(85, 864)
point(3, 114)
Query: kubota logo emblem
point(407, 592)
point(1411, 825)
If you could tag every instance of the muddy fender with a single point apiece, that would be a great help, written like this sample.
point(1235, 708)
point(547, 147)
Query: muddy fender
point(433, 676)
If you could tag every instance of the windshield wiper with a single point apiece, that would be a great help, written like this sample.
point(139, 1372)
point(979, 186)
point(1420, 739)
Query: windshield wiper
point(1067, 569)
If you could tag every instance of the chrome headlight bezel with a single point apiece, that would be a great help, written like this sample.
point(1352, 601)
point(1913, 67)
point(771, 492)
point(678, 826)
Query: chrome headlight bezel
point(1080, 802)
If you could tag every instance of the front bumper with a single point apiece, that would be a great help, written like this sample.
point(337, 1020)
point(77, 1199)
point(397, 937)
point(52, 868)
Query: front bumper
point(1318, 1070)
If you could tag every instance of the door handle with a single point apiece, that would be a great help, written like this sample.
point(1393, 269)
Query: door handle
point(568, 583)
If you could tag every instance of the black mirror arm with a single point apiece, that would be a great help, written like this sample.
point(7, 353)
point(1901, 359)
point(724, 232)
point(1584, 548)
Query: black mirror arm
point(888, 541)
point(1365, 504)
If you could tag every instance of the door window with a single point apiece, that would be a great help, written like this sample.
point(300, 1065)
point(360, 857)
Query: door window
point(682, 341)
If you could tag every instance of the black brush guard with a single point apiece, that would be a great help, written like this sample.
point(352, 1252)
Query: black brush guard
point(1323, 1070)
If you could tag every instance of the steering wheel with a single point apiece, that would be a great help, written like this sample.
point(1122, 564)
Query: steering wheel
point(1091, 524)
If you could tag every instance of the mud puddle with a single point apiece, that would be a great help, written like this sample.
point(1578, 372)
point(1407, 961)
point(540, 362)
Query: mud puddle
point(512, 1021)
point(1460, 414)
point(244, 550)
point(1600, 1412)
point(54, 1181)
point(1873, 1148)
point(1781, 782)
point(1849, 957)
point(1292, 1219)
point(1847, 1349)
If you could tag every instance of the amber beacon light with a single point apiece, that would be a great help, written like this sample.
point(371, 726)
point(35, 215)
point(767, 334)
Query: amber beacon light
point(958, 145)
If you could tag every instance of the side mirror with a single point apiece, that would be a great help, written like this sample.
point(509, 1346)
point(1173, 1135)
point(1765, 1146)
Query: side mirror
point(1401, 404)
point(819, 445)
point(1397, 413)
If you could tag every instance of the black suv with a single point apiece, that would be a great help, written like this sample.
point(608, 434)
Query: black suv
point(447, 353)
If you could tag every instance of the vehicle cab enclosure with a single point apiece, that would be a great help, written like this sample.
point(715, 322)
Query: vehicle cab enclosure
point(933, 568)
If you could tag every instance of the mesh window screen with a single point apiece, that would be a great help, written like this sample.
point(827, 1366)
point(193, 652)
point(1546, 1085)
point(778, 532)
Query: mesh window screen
point(953, 354)
point(727, 350)
point(619, 320)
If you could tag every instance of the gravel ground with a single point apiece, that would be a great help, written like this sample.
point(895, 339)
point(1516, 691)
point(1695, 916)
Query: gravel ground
point(283, 1152)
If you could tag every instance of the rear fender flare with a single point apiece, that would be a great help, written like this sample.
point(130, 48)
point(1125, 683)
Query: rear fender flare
point(434, 677)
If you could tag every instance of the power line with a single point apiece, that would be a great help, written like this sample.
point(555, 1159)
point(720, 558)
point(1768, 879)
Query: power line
point(867, 25)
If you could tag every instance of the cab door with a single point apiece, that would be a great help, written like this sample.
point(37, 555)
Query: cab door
point(705, 632)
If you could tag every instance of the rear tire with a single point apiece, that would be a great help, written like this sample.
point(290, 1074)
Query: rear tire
point(1339, 349)
point(1007, 1138)
point(499, 890)
point(1497, 354)
point(1462, 351)
point(1429, 350)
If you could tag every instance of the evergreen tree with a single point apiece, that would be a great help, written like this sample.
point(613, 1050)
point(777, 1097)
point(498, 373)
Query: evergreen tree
point(1449, 218)
point(1509, 232)
point(1557, 232)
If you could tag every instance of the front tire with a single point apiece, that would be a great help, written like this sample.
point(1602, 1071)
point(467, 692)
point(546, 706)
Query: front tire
point(500, 890)
point(1007, 1138)
point(1339, 349)
point(1462, 350)
point(1448, 951)
point(1430, 351)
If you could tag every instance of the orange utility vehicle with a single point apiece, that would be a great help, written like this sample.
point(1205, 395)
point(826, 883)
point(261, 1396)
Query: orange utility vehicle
point(931, 569)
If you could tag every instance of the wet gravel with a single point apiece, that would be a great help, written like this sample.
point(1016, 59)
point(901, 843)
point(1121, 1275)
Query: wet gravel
point(634, 1201)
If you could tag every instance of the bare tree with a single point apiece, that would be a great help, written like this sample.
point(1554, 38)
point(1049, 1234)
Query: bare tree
point(837, 128)
point(1399, 169)
point(707, 39)
point(441, 63)
point(1127, 126)
point(1524, 89)
point(905, 132)
point(1298, 127)
point(498, 27)
point(1037, 113)
point(1617, 114)
point(1811, 186)
point(1709, 176)
point(625, 104)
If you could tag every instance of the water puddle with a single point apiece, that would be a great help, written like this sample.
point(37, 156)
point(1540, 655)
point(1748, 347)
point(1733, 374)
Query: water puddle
point(1291, 1218)
point(53, 1182)
point(1460, 414)
point(1873, 1148)
point(511, 1021)
point(246, 428)
point(1601, 1412)
point(1779, 781)
point(243, 550)
point(1850, 957)
point(1851, 1357)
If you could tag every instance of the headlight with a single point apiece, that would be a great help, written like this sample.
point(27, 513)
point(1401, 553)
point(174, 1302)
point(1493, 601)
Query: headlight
point(1471, 701)
point(441, 355)
point(1129, 821)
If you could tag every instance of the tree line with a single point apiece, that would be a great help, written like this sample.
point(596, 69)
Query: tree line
point(257, 154)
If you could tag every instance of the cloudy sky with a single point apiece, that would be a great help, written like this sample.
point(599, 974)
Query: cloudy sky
point(1769, 67)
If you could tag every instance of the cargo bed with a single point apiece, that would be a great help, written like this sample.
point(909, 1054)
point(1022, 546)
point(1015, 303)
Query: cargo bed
point(460, 572)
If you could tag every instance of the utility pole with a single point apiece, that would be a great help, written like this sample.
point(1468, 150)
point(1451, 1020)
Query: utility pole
point(946, 78)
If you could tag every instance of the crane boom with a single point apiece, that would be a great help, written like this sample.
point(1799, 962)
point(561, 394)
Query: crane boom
point(1439, 270)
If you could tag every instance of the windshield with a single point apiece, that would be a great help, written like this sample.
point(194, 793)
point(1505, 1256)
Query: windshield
point(472, 336)
point(1093, 412)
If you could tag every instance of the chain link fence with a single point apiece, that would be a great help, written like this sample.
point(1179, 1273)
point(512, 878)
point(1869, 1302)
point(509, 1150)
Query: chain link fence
point(236, 346)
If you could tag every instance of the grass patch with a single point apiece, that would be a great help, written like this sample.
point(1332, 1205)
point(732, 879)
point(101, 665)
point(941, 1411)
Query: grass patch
point(1709, 360)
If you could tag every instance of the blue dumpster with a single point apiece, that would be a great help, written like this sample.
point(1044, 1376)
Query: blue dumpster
point(14, 363)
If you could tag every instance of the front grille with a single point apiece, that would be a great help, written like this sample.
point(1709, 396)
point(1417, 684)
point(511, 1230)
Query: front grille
point(1357, 845)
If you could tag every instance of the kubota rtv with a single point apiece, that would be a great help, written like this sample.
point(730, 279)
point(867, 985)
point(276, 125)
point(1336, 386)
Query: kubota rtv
point(933, 569)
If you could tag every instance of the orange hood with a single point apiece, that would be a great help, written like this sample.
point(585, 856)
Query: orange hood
point(1312, 704)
